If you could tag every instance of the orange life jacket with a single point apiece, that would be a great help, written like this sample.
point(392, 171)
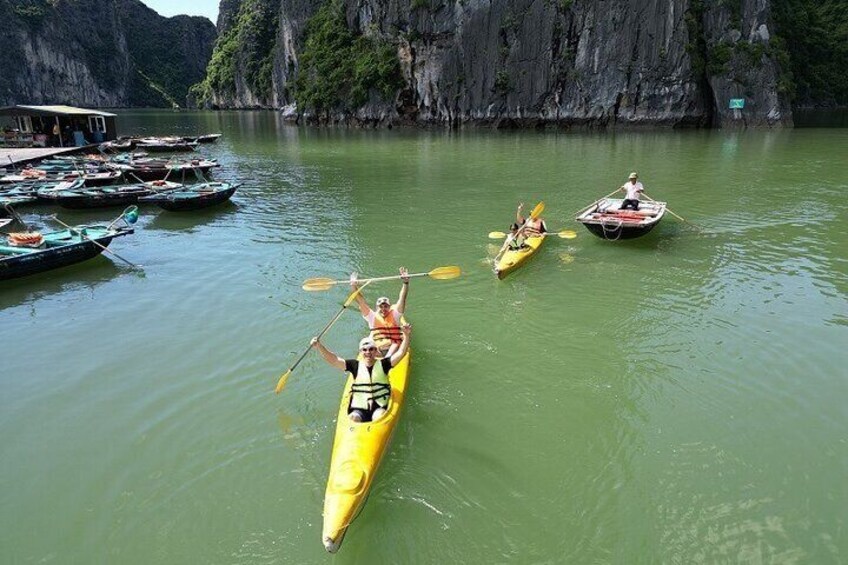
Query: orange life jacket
point(532, 228)
point(386, 331)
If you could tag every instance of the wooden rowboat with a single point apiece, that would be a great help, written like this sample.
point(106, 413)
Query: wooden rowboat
point(23, 254)
point(193, 197)
point(607, 220)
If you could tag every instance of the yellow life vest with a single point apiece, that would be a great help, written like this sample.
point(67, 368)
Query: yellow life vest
point(370, 387)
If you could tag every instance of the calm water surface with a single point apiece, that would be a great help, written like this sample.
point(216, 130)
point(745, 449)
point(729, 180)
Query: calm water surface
point(681, 398)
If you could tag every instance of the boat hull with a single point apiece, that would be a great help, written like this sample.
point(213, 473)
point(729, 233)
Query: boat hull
point(512, 260)
point(607, 220)
point(75, 202)
point(182, 201)
point(38, 261)
point(161, 173)
point(358, 449)
point(619, 231)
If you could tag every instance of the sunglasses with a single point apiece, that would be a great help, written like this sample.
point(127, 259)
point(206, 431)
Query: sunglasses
point(368, 349)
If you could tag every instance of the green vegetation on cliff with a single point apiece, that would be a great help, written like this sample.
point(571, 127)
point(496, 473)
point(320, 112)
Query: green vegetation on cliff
point(246, 49)
point(815, 35)
point(339, 68)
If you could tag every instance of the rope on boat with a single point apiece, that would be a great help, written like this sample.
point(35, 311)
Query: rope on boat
point(618, 228)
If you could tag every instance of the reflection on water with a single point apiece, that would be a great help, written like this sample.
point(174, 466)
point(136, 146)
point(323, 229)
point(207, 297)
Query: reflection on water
point(668, 399)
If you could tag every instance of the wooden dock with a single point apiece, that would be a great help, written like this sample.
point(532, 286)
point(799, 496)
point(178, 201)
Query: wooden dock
point(21, 156)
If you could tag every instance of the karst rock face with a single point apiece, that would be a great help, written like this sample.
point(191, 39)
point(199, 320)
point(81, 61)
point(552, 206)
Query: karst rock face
point(535, 63)
point(100, 53)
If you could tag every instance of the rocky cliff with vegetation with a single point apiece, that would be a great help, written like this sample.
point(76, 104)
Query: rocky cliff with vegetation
point(100, 53)
point(528, 62)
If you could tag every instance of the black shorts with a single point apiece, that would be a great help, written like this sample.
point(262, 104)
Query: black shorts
point(629, 203)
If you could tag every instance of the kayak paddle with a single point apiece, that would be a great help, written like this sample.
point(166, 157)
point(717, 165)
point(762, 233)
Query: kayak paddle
point(439, 273)
point(564, 234)
point(282, 382)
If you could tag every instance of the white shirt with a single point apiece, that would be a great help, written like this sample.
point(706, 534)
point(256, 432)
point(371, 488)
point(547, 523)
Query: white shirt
point(633, 189)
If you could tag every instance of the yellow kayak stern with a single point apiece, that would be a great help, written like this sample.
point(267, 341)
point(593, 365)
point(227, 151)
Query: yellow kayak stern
point(358, 449)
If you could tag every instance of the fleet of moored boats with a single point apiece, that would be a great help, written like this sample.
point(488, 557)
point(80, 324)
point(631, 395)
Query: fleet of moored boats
point(121, 174)
point(94, 181)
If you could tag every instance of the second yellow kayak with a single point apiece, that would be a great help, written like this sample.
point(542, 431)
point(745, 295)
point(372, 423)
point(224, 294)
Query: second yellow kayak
point(357, 451)
point(512, 259)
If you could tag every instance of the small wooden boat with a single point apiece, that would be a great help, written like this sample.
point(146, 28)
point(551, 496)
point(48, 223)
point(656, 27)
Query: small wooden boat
point(165, 145)
point(100, 178)
point(193, 196)
point(16, 196)
point(207, 138)
point(607, 220)
point(108, 195)
point(157, 169)
point(27, 253)
point(27, 193)
point(28, 174)
point(511, 259)
point(122, 144)
point(358, 449)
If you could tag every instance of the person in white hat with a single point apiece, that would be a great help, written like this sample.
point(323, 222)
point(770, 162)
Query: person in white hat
point(632, 189)
point(371, 390)
point(386, 320)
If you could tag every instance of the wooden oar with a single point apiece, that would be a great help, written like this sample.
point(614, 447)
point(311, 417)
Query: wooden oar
point(14, 215)
point(282, 382)
point(534, 213)
point(564, 234)
point(681, 218)
point(83, 236)
point(439, 273)
point(584, 208)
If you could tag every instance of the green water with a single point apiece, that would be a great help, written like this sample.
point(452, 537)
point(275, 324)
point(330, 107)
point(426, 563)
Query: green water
point(680, 398)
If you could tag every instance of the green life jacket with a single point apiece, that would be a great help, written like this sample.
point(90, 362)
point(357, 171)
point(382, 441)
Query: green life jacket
point(370, 387)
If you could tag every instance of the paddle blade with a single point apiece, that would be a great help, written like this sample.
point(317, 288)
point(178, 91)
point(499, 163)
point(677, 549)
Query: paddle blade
point(282, 382)
point(444, 273)
point(316, 284)
point(496, 235)
point(537, 211)
point(567, 234)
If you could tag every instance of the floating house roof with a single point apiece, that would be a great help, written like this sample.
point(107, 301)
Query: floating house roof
point(22, 110)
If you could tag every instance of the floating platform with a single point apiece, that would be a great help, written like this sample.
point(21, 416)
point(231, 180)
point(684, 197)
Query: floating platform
point(22, 155)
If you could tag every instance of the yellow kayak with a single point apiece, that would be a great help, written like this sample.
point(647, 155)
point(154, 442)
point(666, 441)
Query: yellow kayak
point(357, 452)
point(511, 260)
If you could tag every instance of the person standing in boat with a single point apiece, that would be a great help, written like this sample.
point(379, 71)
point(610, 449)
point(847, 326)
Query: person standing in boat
point(371, 390)
point(384, 323)
point(529, 227)
point(632, 189)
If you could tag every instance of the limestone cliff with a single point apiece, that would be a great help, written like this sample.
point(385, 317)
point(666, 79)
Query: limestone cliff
point(525, 63)
point(101, 53)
